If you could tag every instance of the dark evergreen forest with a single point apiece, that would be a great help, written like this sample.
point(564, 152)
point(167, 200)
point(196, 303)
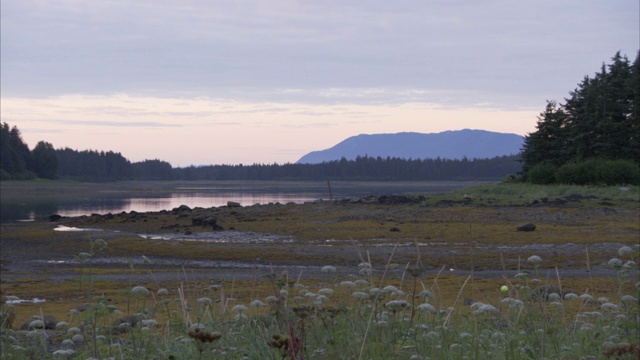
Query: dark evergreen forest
point(18, 162)
point(594, 136)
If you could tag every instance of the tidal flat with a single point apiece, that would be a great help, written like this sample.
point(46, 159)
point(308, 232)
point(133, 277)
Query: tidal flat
point(464, 242)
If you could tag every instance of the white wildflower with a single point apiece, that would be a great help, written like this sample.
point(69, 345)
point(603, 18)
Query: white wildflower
point(362, 282)
point(396, 305)
point(257, 303)
point(534, 259)
point(348, 284)
point(329, 269)
point(163, 291)
point(625, 250)
point(325, 291)
point(205, 300)
point(570, 296)
point(609, 306)
point(272, 299)
point(140, 290)
point(427, 307)
point(614, 263)
point(360, 295)
point(239, 308)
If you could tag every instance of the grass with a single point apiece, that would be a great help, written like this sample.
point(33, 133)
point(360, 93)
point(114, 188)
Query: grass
point(400, 315)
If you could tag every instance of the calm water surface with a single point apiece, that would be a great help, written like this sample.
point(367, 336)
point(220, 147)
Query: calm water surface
point(206, 195)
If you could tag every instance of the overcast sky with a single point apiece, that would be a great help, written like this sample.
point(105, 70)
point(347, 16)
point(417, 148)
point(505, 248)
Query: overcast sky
point(228, 82)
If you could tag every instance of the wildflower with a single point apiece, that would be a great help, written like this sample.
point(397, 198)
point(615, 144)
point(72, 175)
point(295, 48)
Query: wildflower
point(239, 308)
point(570, 296)
point(556, 304)
point(284, 293)
point(328, 269)
point(553, 296)
point(257, 303)
point(348, 284)
point(615, 263)
point(587, 327)
point(360, 295)
point(195, 326)
point(309, 294)
point(534, 259)
point(427, 294)
point(77, 338)
point(628, 299)
point(163, 291)
point(609, 306)
point(325, 291)
point(522, 275)
point(375, 291)
point(603, 300)
point(390, 288)
point(395, 305)
point(140, 290)
point(74, 330)
point(625, 250)
point(149, 323)
point(362, 282)
point(36, 324)
point(64, 352)
point(241, 317)
point(321, 298)
point(61, 324)
point(272, 299)
point(205, 301)
point(67, 342)
point(427, 307)
point(586, 297)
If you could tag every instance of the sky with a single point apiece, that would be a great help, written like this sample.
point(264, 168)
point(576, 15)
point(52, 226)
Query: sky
point(200, 82)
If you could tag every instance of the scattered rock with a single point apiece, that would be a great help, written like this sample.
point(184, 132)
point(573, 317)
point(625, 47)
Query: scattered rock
point(233, 204)
point(49, 322)
point(526, 227)
point(55, 217)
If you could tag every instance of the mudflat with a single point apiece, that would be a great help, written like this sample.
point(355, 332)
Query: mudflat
point(574, 235)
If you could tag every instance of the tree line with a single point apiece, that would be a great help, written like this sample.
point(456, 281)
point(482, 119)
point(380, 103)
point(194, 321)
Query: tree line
point(17, 162)
point(594, 136)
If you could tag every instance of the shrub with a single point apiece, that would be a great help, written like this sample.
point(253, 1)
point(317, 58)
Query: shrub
point(542, 174)
point(599, 172)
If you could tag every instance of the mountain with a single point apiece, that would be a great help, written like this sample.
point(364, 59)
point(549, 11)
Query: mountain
point(456, 144)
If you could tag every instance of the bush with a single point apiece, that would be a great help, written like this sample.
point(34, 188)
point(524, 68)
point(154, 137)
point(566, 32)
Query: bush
point(542, 174)
point(4, 175)
point(599, 172)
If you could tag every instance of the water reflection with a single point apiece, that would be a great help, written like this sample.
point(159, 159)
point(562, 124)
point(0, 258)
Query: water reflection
point(207, 195)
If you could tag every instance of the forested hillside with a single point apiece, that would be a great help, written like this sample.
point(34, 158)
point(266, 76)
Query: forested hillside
point(19, 163)
point(594, 136)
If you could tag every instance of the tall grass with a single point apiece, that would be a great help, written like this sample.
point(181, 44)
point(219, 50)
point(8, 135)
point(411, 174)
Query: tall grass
point(363, 317)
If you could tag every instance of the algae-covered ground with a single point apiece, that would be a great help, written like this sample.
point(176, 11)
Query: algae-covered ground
point(451, 236)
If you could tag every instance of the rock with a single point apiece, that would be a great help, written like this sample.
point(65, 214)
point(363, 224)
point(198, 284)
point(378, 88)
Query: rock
point(394, 229)
point(233, 204)
point(204, 221)
point(49, 321)
point(526, 227)
point(55, 217)
point(181, 208)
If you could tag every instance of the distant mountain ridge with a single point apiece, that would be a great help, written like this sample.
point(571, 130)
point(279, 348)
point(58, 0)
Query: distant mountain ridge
point(454, 144)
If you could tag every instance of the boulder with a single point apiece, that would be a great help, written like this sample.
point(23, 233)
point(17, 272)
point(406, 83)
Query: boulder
point(49, 321)
point(55, 217)
point(526, 227)
point(232, 204)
